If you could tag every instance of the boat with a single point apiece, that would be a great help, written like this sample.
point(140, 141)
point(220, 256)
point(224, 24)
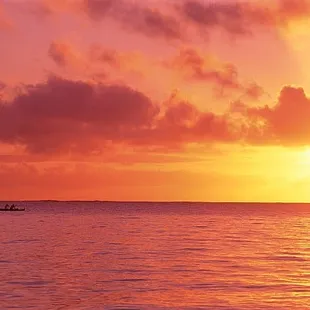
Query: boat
point(11, 210)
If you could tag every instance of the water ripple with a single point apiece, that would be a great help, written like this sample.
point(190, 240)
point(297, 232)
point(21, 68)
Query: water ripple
point(155, 256)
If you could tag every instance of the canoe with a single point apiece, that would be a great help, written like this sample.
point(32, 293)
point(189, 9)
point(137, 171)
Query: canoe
point(8, 210)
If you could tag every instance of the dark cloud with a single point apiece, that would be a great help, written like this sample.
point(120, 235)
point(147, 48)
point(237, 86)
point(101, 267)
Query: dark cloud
point(63, 115)
point(239, 18)
point(212, 14)
point(171, 21)
point(134, 17)
point(224, 76)
point(182, 123)
point(74, 115)
point(196, 67)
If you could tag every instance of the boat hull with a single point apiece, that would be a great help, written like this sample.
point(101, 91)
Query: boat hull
point(8, 210)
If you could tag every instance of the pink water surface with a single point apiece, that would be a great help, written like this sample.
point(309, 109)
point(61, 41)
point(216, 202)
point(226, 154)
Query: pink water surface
point(93, 255)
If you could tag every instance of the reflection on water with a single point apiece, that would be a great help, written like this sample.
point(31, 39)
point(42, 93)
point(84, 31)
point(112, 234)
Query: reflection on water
point(155, 256)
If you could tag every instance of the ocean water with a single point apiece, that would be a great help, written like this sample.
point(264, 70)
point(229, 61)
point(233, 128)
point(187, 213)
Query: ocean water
point(95, 255)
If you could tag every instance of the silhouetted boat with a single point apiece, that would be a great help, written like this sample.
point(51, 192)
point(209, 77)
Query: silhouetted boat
point(12, 210)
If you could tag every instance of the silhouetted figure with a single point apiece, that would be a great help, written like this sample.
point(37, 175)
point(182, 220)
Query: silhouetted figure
point(6, 206)
point(12, 207)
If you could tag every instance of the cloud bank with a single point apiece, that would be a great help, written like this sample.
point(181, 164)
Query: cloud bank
point(61, 115)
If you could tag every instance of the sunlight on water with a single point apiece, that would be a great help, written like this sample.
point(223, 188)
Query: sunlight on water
point(155, 256)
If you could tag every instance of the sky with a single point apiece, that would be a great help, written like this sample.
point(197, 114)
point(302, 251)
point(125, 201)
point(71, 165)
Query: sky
point(188, 100)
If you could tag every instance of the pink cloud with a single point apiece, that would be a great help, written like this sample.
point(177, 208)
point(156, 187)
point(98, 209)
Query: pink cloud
point(99, 62)
point(240, 18)
point(62, 53)
point(131, 15)
point(174, 22)
point(204, 68)
point(62, 116)
point(107, 56)
point(288, 11)
point(287, 122)
point(135, 17)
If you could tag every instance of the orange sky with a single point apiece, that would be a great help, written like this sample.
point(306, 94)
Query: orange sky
point(155, 100)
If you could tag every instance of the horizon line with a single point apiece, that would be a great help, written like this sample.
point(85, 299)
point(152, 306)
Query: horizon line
point(158, 201)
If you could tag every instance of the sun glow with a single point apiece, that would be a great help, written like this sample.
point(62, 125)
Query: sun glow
point(304, 164)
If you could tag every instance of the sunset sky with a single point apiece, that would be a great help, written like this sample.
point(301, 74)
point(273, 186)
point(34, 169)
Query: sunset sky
point(155, 100)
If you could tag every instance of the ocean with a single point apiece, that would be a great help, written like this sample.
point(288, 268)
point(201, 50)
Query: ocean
point(110, 255)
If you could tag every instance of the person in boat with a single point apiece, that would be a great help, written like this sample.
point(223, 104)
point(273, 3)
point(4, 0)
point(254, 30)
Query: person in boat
point(6, 206)
point(12, 207)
